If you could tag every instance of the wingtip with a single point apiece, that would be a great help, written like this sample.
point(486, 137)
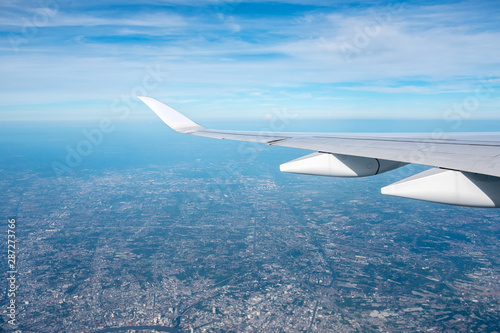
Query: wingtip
point(174, 119)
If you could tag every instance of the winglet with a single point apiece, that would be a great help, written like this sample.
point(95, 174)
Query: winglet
point(171, 117)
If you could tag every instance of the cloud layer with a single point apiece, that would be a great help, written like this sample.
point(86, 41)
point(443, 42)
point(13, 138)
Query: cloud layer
point(242, 59)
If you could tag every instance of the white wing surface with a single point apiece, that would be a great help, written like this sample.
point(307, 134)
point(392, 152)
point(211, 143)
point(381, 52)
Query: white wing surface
point(468, 164)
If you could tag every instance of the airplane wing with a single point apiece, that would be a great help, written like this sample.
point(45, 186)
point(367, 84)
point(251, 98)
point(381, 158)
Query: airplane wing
point(467, 165)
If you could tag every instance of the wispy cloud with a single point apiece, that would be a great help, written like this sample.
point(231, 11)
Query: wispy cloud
point(77, 20)
point(318, 56)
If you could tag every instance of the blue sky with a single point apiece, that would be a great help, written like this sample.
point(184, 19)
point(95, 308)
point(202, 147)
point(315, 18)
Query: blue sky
point(69, 60)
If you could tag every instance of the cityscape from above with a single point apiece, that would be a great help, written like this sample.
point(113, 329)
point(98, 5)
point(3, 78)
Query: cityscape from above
point(154, 229)
point(113, 222)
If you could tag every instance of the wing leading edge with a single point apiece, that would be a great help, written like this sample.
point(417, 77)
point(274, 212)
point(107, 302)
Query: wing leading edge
point(468, 164)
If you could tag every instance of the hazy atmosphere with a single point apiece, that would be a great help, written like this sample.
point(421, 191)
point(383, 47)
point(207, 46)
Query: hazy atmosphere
point(113, 222)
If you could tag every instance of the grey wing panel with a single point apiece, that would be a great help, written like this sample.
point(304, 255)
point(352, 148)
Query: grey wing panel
point(472, 155)
point(477, 158)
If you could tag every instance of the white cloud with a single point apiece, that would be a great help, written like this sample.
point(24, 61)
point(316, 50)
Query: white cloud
point(247, 59)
